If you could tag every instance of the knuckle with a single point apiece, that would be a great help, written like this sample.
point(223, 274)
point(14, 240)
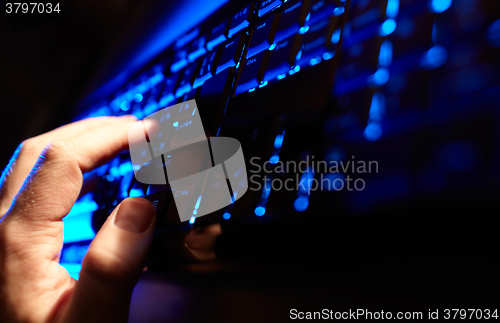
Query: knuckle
point(30, 146)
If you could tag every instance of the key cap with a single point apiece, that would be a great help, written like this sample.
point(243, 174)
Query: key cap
point(318, 39)
point(207, 69)
point(321, 9)
point(217, 35)
point(180, 60)
point(231, 53)
point(197, 48)
point(282, 57)
point(267, 5)
point(167, 95)
point(186, 81)
point(241, 20)
point(251, 74)
point(263, 35)
point(292, 18)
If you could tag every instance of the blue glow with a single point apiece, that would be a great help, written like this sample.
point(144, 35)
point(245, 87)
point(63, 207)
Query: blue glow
point(260, 211)
point(338, 11)
point(301, 204)
point(124, 106)
point(263, 84)
point(387, 27)
point(136, 192)
point(315, 61)
point(78, 227)
point(303, 30)
point(274, 159)
point(377, 107)
point(438, 6)
point(192, 219)
point(273, 46)
point(392, 8)
point(494, 34)
point(294, 70)
point(194, 110)
point(306, 181)
point(373, 131)
point(385, 54)
point(336, 36)
point(281, 76)
point(197, 206)
point(327, 56)
point(251, 90)
point(176, 124)
point(73, 269)
point(278, 141)
point(178, 65)
point(226, 216)
point(434, 57)
point(380, 77)
point(138, 97)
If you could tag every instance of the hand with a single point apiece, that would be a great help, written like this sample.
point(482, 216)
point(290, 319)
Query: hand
point(38, 188)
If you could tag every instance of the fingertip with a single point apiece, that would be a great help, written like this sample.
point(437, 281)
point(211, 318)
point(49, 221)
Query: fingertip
point(135, 214)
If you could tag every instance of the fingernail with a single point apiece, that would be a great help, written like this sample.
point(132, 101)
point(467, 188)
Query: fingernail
point(134, 215)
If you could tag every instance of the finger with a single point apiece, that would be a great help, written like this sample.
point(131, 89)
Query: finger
point(28, 152)
point(113, 264)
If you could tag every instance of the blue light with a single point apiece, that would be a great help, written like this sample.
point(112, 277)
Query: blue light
point(176, 124)
point(263, 84)
point(373, 131)
point(191, 221)
point(338, 11)
point(392, 8)
point(273, 46)
point(73, 269)
point(303, 30)
point(387, 27)
point(328, 55)
point(124, 106)
point(438, 6)
point(226, 216)
point(301, 204)
point(494, 33)
point(194, 110)
point(195, 211)
point(251, 90)
point(434, 57)
point(385, 54)
point(281, 76)
point(197, 206)
point(136, 192)
point(260, 211)
point(380, 77)
point(274, 159)
point(294, 70)
point(138, 97)
point(314, 61)
point(377, 107)
point(336, 36)
point(278, 141)
point(78, 227)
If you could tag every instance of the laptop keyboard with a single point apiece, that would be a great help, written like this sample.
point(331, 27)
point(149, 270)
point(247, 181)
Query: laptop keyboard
point(370, 80)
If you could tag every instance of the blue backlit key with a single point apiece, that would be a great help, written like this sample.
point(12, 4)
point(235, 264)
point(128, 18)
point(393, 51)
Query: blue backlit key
point(197, 48)
point(231, 53)
point(263, 35)
point(217, 35)
point(321, 38)
point(267, 5)
point(207, 69)
point(186, 81)
point(180, 60)
point(293, 16)
point(321, 9)
point(167, 94)
point(282, 58)
point(241, 20)
point(252, 73)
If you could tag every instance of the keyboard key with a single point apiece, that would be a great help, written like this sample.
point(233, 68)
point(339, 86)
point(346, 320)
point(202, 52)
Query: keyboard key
point(292, 18)
point(207, 69)
point(197, 48)
point(321, 9)
point(241, 20)
point(263, 35)
point(252, 73)
point(180, 60)
point(186, 81)
point(318, 39)
point(282, 57)
point(366, 12)
point(167, 94)
point(218, 35)
point(267, 5)
point(231, 53)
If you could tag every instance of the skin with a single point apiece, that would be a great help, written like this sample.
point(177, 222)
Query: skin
point(38, 188)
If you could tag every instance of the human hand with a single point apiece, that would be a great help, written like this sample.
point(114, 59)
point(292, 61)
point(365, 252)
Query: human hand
point(38, 188)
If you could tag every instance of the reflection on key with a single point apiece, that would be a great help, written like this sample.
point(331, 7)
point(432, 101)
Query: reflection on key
point(217, 35)
point(292, 18)
point(241, 20)
point(252, 73)
point(282, 57)
point(267, 5)
point(231, 53)
point(197, 48)
point(263, 35)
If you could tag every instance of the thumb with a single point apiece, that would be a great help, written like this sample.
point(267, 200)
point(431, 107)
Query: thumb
point(113, 264)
